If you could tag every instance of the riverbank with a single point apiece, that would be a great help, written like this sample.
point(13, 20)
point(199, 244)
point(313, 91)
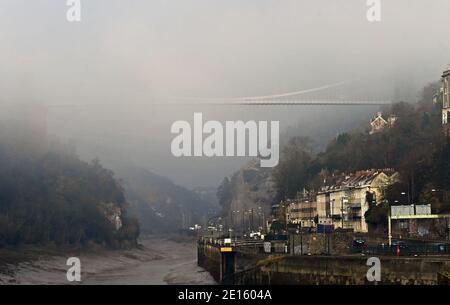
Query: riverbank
point(155, 261)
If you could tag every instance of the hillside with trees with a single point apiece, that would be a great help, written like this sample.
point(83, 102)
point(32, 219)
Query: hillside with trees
point(246, 195)
point(414, 146)
point(159, 204)
point(54, 197)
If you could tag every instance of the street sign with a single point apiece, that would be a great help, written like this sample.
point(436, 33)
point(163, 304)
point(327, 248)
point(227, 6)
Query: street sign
point(402, 210)
point(410, 210)
point(423, 209)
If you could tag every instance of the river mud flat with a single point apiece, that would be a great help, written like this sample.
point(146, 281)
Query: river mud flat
point(156, 261)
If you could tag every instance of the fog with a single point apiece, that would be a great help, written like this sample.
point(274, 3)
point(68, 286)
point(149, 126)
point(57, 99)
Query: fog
point(110, 80)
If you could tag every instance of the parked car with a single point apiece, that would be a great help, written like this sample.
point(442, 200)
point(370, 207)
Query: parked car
point(399, 244)
point(443, 248)
point(359, 244)
point(399, 247)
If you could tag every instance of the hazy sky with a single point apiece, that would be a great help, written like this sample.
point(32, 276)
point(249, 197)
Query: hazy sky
point(124, 57)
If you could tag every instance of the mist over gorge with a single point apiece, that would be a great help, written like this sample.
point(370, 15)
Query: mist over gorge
point(121, 78)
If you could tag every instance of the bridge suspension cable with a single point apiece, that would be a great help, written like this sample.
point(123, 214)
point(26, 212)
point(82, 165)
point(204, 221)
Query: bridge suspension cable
point(257, 98)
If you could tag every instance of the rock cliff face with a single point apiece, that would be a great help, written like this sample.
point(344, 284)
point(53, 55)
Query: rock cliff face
point(159, 204)
point(247, 196)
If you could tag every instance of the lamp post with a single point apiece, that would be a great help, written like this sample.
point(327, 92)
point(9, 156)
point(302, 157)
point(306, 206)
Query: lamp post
point(407, 198)
point(230, 221)
point(441, 194)
point(389, 228)
point(235, 219)
point(332, 210)
point(443, 199)
point(243, 223)
point(260, 221)
point(301, 238)
point(251, 220)
point(293, 244)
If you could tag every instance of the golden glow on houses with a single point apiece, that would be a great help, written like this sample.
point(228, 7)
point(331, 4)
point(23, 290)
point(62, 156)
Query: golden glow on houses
point(345, 202)
point(379, 123)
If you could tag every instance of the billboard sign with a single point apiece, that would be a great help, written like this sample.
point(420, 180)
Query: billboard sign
point(423, 209)
point(402, 210)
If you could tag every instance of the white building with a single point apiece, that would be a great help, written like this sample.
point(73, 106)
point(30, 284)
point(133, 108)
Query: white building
point(379, 123)
point(345, 202)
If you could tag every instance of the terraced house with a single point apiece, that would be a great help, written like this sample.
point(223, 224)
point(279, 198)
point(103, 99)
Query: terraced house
point(344, 202)
point(303, 210)
point(442, 97)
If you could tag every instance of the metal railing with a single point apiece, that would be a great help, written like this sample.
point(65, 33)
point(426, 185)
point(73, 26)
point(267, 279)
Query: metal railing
point(409, 250)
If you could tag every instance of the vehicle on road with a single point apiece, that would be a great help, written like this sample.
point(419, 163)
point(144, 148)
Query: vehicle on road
point(359, 244)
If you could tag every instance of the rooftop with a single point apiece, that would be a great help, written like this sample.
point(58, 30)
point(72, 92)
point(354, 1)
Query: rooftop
point(353, 180)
